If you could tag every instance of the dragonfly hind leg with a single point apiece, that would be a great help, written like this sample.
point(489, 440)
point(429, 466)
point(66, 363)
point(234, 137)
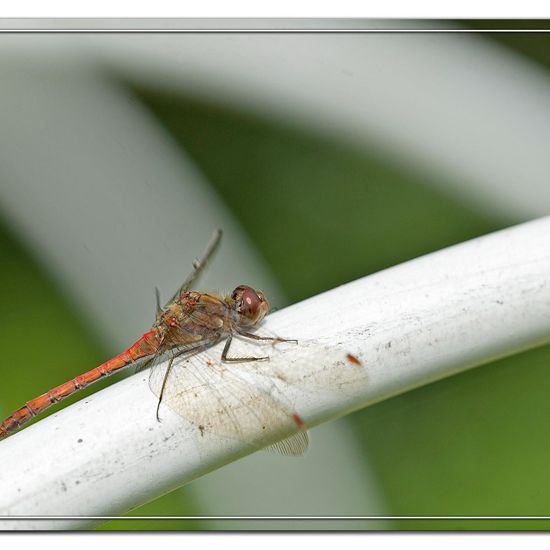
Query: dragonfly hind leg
point(227, 359)
point(163, 387)
point(189, 352)
point(274, 339)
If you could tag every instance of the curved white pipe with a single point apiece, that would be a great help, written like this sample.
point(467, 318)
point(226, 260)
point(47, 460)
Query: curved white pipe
point(409, 325)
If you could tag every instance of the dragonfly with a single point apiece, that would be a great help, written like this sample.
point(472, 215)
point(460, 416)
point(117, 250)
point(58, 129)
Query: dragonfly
point(194, 383)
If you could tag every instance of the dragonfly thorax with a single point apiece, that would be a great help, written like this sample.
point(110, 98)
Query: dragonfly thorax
point(193, 316)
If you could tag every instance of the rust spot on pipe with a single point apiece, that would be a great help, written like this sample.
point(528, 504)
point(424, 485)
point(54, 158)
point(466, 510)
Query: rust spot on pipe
point(298, 421)
point(352, 359)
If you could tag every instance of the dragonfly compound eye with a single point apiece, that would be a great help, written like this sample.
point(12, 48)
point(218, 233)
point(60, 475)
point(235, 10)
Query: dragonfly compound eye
point(250, 303)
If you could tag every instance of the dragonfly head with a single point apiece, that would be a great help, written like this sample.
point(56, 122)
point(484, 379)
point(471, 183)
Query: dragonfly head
point(251, 305)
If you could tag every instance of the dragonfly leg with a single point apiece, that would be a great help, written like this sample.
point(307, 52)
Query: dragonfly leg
point(227, 359)
point(162, 388)
point(189, 352)
point(274, 339)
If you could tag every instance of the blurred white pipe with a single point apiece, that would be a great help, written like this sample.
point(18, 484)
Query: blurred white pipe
point(471, 116)
point(468, 114)
point(409, 325)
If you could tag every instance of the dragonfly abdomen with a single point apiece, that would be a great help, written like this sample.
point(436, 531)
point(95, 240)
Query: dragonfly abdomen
point(38, 405)
point(146, 345)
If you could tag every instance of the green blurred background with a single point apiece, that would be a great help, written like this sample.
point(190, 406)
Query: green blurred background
point(473, 444)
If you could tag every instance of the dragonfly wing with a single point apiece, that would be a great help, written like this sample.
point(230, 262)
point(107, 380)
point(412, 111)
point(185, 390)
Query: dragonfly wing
point(309, 364)
point(295, 445)
point(219, 400)
point(148, 362)
point(184, 349)
point(200, 265)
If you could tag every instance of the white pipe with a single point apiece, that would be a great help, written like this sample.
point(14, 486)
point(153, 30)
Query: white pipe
point(409, 325)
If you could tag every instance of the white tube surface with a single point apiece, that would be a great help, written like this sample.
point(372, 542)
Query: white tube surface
point(409, 325)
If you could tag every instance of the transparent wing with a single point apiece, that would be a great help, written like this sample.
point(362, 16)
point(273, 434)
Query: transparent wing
point(193, 346)
point(295, 445)
point(228, 400)
point(200, 265)
point(308, 364)
point(217, 399)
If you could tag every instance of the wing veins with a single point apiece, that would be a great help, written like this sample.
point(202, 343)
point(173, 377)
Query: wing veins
point(199, 266)
point(235, 387)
